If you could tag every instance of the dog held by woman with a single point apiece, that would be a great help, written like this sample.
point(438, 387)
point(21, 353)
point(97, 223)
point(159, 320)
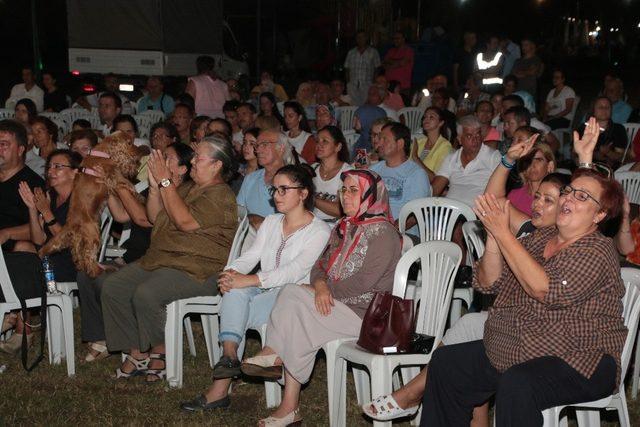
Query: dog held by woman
point(81, 233)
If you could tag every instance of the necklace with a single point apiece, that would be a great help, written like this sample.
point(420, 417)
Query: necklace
point(328, 174)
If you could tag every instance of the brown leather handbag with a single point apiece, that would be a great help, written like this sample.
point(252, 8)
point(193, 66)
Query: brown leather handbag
point(388, 325)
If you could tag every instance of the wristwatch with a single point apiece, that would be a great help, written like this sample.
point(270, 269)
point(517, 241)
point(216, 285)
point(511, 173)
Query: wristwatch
point(165, 182)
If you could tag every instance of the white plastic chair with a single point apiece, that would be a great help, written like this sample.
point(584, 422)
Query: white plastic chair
point(59, 319)
point(144, 121)
point(207, 307)
point(156, 115)
point(70, 115)
point(473, 233)
point(280, 105)
point(412, 118)
point(631, 184)
point(563, 171)
point(7, 113)
point(588, 413)
point(565, 150)
point(436, 217)
point(345, 116)
point(632, 130)
point(351, 139)
point(439, 263)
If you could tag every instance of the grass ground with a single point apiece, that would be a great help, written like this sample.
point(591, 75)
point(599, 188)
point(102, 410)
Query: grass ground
point(47, 396)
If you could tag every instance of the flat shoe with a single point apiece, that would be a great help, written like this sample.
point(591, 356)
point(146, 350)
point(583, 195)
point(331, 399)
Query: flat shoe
point(386, 412)
point(262, 366)
point(226, 368)
point(200, 404)
point(290, 420)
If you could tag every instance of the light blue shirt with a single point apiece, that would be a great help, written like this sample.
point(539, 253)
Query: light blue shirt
point(404, 183)
point(254, 195)
point(620, 112)
point(165, 104)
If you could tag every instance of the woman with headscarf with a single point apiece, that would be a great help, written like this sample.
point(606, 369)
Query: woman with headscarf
point(359, 260)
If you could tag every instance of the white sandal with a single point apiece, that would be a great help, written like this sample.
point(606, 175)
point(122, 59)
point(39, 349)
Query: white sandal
point(290, 420)
point(100, 349)
point(386, 413)
point(262, 366)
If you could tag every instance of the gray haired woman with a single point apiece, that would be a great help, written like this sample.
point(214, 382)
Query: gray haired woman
point(193, 229)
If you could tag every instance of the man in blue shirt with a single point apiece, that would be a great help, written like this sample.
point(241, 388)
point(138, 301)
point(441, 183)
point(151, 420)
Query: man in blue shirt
point(156, 99)
point(404, 179)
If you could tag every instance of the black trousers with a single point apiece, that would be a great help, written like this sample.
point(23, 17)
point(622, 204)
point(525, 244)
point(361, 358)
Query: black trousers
point(461, 377)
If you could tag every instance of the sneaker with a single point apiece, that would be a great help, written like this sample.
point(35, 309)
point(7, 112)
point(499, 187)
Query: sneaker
point(226, 368)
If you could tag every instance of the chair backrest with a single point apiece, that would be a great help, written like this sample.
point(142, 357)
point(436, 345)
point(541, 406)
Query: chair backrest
point(563, 171)
point(631, 184)
point(280, 105)
point(156, 115)
point(241, 234)
point(7, 113)
point(631, 312)
point(105, 228)
point(473, 233)
point(345, 117)
point(60, 121)
point(632, 130)
point(574, 109)
point(438, 262)
point(436, 216)
point(144, 121)
point(412, 118)
point(73, 114)
point(5, 282)
point(351, 139)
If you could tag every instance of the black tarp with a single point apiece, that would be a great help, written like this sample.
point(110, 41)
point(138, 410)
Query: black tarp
point(180, 26)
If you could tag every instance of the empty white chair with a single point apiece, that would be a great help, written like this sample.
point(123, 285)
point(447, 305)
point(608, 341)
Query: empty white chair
point(436, 217)
point(6, 113)
point(631, 184)
point(412, 118)
point(207, 307)
point(439, 263)
point(59, 319)
point(588, 413)
point(345, 116)
point(632, 130)
point(156, 115)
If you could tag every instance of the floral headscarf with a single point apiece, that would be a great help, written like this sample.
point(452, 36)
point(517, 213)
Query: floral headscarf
point(328, 109)
point(374, 208)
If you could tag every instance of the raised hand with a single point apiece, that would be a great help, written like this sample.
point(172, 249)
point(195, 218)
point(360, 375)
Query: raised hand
point(493, 215)
point(26, 194)
point(585, 146)
point(521, 149)
point(41, 201)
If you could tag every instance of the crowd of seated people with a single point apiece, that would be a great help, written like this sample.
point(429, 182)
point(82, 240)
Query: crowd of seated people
point(323, 225)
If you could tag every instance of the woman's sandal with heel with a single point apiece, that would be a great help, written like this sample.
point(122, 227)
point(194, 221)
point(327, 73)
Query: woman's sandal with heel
point(292, 419)
point(140, 368)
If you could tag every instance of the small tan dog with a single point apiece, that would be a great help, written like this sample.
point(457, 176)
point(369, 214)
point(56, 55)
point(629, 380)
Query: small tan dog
point(81, 232)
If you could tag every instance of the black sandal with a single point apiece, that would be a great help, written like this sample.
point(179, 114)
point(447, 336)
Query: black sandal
point(159, 374)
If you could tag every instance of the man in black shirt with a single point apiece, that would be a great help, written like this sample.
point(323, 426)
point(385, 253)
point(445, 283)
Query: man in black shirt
point(14, 214)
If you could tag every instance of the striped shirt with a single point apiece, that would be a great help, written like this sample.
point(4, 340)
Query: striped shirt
point(580, 319)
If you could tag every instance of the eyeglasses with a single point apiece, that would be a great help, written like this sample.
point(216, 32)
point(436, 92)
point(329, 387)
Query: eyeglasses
point(264, 144)
point(282, 190)
point(351, 190)
point(580, 195)
point(58, 166)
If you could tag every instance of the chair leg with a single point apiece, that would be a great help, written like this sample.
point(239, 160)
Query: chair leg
point(67, 328)
point(55, 334)
point(339, 398)
point(363, 386)
point(587, 417)
point(456, 311)
point(271, 388)
point(173, 345)
point(189, 331)
point(636, 369)
point(381, 383)
point(620, 403)
point(210, 329)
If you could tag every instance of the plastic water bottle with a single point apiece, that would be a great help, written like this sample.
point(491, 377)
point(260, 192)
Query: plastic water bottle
point(49, 276)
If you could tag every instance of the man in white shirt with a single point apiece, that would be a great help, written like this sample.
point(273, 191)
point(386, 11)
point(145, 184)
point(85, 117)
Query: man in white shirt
point(467, 170)
point(27, 89)
point(361, 62)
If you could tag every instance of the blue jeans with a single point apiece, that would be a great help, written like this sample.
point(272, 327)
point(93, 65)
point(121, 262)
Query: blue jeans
point(245, 308)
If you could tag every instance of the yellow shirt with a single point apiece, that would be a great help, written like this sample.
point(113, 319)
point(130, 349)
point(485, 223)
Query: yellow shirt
point(436, 155)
